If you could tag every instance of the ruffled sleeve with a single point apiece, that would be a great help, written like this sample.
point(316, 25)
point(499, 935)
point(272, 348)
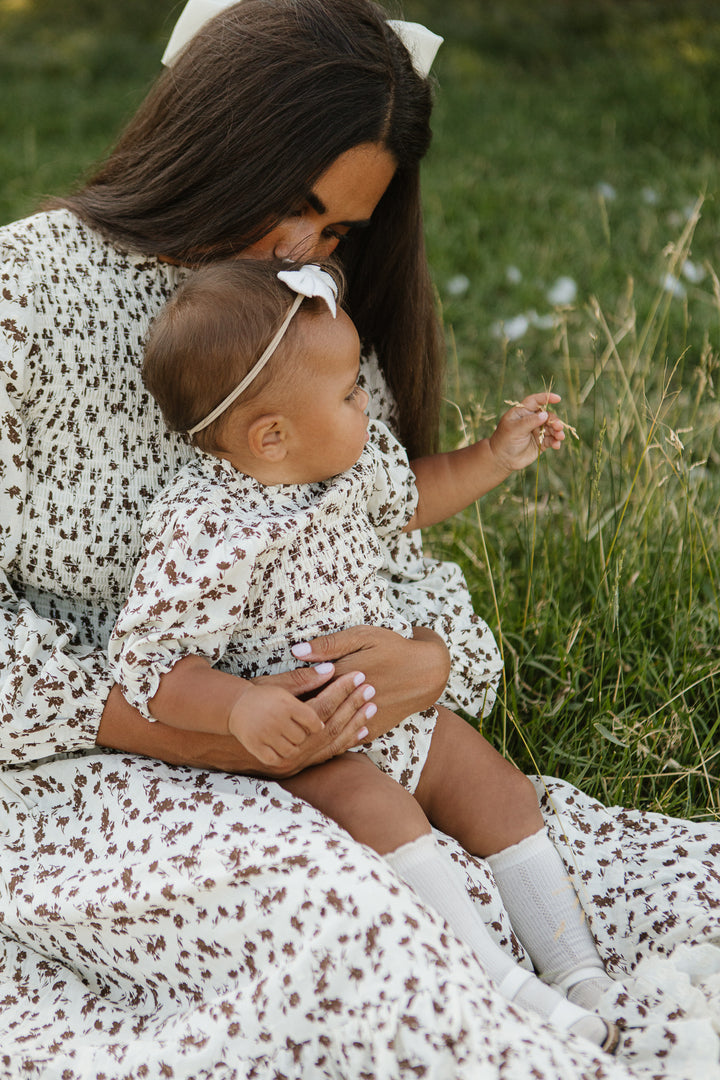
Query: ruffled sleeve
point(188, 592)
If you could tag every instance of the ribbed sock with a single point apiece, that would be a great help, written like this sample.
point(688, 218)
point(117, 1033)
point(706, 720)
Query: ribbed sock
point(546, 915)
point(433, 876)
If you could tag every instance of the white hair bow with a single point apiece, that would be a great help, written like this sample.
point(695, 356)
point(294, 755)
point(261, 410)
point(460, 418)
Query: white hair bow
point(310, 280)
point(420, 42)
point(307, 280)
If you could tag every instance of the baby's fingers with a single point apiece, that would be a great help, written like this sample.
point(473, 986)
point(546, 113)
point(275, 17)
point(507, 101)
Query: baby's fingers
point(540, 402)
point(554, 432)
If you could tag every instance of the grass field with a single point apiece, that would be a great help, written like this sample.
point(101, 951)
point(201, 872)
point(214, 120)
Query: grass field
point(572, 215)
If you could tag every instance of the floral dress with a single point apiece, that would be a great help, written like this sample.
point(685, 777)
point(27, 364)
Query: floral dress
point(160, 921)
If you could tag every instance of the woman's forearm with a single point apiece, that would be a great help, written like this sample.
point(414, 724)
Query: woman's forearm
point(340, 702)
point(123, 728)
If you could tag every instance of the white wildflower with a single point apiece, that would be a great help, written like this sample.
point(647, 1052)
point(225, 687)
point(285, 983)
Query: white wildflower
point(563, 291)
point(542, 322)
point(458, 285)
point(512, 329)
point(606, 191)
point(671, 284)
point(693, 272)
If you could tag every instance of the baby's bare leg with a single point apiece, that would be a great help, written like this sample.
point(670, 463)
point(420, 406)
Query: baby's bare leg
point(471, 792)
point(378, 812)
point(372, 806)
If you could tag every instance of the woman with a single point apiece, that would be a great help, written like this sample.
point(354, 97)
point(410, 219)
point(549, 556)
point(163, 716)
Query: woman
point(161, 919)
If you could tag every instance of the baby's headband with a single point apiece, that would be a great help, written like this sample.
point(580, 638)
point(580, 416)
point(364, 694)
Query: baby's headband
point(420, 42)
point(308, 280)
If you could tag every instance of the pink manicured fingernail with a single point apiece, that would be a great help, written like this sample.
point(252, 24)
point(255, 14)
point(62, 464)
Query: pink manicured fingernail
point(370, 712)
point(368, 692)
point(362, 734)
point(302, 649)
point(358, 679)
point(323, 669)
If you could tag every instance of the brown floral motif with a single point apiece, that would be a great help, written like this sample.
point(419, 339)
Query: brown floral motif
point(160, 921)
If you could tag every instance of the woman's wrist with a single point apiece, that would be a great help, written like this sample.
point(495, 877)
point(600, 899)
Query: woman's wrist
point(123, 728)
point(339, 702)
point(436, 661)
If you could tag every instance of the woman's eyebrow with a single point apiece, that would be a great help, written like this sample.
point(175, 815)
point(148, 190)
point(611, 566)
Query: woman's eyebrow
point(319, 207)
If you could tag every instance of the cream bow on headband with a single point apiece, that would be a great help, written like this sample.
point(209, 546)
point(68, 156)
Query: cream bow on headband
point(307, 280)
point(420, 42)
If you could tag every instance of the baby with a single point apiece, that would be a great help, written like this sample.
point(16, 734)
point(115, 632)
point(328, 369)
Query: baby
point(277, 531)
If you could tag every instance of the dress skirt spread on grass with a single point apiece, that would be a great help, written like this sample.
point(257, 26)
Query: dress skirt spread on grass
point(160, 921)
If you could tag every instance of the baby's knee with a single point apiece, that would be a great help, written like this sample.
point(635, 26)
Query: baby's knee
point(524, 799)
point(368, 803)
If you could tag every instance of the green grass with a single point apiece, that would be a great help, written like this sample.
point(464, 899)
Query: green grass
point(572, 138)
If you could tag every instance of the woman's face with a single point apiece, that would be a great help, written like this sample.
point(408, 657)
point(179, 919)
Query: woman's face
point(342, 199)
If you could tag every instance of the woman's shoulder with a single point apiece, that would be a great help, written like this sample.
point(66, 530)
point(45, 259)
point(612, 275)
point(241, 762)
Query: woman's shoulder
point(46, 248)
point(27, 235)
point(382, 405)
point(58, 243)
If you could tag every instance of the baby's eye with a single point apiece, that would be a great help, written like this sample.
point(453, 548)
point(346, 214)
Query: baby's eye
point(353, 393)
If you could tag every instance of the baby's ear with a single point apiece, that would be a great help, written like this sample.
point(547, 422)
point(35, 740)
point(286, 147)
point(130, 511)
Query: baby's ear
point(268, 438)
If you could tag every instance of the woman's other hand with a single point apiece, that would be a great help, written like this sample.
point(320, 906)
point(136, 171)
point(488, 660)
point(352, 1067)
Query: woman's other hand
point(409, 674)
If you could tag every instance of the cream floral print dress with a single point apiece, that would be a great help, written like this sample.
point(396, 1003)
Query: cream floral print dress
point(160, 921)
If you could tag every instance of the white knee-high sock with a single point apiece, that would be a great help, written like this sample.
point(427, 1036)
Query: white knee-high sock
point(433, 876)
point(546, 915)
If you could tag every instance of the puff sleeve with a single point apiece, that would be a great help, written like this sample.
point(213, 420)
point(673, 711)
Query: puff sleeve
point(187, 596)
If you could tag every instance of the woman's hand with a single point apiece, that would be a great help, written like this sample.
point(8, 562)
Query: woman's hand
point(345, 708)
point(409, 674)
point(342, 705)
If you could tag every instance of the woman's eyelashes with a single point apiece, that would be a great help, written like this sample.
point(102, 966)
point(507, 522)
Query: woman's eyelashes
point(329, 233)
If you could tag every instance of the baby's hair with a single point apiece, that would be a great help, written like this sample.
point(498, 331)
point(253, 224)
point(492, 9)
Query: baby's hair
point(209, 335)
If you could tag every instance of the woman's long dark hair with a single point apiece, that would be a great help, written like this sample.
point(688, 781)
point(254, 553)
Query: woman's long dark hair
point(258, 105)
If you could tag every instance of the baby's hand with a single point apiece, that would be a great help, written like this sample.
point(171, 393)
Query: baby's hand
point(270, 722)
point(525, 430)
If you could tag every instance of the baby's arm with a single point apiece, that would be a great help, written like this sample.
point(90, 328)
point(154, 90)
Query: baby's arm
point(447, 483)
point(187, 602)
point(267, 720)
